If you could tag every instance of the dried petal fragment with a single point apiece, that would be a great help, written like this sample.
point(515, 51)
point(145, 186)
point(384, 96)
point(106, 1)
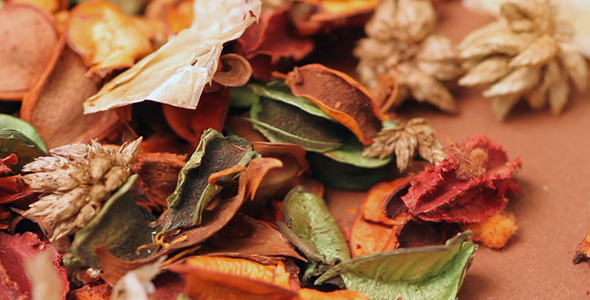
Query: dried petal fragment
point(521, 79)
point(23, 60)
point(105, 37)
point(340, 96)
point(495, 231)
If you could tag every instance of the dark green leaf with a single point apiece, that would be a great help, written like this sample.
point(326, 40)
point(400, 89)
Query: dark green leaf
point(193, 192)
point(10, 122)
point(13, 141)
point(431, 272)
point(121, 227)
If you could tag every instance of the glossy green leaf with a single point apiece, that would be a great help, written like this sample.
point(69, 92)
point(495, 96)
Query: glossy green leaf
point(10, 122)
point(242, 97)
point(121, 226)
point(432, 272)
point(193, 192)
point(278, 90)
point(12, 141)
point(284, 123)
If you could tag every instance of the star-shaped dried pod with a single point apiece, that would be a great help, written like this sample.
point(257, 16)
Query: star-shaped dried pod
point(406, 141)
point(526, 54)
point(75, 181)
point(402, 56)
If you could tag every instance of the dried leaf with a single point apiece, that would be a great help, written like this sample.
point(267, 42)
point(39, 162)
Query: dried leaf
point(13, 141)
point(23, 61)
point(17, 128)
point(346, 101)
point(193, 191)
point(432, 272)
point(91, 22)
point(54, 103)
point(178, 71)
point(121, 227)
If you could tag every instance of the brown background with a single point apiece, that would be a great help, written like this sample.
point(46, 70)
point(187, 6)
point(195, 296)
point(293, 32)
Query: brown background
point(553, 208)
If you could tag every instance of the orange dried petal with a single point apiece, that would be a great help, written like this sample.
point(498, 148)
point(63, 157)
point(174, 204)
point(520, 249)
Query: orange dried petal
point(24, 59)
point(373, 207)
point(177, 16)
point(495, 231)
point(54, 104)
point(106, 38)
point(340, 96)
point(368, 237)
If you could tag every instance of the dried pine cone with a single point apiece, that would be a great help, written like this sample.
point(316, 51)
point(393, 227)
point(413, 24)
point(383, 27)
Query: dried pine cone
point(405, 140)
point(75, 181)
point(403, 51)
point(525, 54)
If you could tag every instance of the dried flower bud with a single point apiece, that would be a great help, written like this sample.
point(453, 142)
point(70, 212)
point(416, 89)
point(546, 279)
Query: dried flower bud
point(75, 181)
point(405, 140)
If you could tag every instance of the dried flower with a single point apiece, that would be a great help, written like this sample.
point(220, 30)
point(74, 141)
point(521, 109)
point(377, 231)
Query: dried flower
point(403, 56)
point(75, 181)
point(405, 140)
point(527, 54)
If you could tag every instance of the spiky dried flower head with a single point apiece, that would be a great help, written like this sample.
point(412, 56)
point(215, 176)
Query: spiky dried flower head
point(75, 181)
point(417, 137)
point(402, 56)
point(526, 54)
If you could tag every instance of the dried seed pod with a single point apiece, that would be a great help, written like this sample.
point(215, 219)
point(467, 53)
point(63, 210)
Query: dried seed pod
point(526, 54)
point(75, 181)
point(403, 57)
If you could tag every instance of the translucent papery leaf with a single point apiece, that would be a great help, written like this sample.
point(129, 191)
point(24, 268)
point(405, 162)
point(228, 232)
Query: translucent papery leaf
point(178, 71)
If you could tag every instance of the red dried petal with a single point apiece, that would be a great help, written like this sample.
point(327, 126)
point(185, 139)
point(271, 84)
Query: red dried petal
point(439, 194)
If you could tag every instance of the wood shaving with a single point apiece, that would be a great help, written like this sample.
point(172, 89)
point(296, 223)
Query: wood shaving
point(526, 54)
point(402, 56)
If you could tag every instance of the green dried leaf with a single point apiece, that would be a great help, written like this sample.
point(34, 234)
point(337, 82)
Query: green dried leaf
point(242, 97)
point(278, 90)
point(121, 227)
point(431, 272)
point(283, 123)
point(10, 122)
point(308, 217)
point(193, 192)
point(13, 141)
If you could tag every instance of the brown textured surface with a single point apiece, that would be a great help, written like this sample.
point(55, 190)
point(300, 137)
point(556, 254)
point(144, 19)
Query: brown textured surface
point(553, 208)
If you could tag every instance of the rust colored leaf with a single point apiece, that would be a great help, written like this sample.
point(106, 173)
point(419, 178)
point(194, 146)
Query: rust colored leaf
point(270, 44)
point(234, 278)
point(469, 186)
point(54, 104)
point(189, 124)
point(15, 250)
point(247, 238)
point(94, 21)
point(23, 60)
point(158, 174)
point(340, 96)
point(369, 237)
